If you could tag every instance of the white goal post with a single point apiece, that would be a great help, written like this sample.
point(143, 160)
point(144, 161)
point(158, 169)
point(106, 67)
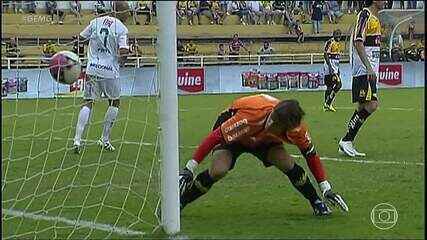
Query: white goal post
point(170, 213)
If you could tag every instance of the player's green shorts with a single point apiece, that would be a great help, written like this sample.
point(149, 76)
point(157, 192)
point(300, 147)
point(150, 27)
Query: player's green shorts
point(363, 90)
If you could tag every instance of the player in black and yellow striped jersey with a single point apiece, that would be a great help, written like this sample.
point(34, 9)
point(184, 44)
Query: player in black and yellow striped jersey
point(365, 67)
point(331, 69)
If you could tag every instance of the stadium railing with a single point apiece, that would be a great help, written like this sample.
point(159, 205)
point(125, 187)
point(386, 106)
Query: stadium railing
point(308, 58)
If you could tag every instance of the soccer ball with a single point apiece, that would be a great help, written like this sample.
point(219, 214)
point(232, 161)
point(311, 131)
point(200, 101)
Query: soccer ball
point(65, 67)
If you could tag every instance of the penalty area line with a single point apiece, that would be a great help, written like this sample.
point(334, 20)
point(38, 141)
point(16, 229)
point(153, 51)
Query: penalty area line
point(80, 223)
point(364, 161)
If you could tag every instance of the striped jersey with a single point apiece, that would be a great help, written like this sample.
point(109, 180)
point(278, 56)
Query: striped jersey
point(368, 30)
point(334, 50)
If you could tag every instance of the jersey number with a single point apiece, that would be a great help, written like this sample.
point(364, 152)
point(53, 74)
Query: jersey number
point(105, 32)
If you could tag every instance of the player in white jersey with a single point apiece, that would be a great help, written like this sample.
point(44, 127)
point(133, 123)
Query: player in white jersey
point(108, 46)
point(365, 68)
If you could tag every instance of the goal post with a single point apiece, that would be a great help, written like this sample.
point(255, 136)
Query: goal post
point(170, 213)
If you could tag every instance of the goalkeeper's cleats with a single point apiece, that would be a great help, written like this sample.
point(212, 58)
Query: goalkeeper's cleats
point(106, 145)
point(320, 208)
point(185, 180)
point(335, 200)
point(347, 148)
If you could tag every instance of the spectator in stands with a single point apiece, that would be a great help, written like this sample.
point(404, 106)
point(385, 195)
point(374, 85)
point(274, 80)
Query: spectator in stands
point(181, 11)
point(192, 7)
point(221, 52)
point(279, 9)
point(235, 45)
point(136, 49)
point(205, 9)
point(411, 30)
point(49, 49)
point(317, 16)
point(411, 53)
point(299, 31)
point(389, 4)
point(243, 12)
point(12, 49)
point(17, 6)
point(52, 10)
point(191, 49)
point(265, 49)
point(218, 12)
point(421, 52)
point(31, 6)
point(100, 7)
point(145, 8)
point(78, 46)
point(334, 13)
point(267, 9)
point(233, 8)
point(76, 8)
point(180, 48)
point(299, 12)
point(255, 12)
point(134, 8)
point(289, 19)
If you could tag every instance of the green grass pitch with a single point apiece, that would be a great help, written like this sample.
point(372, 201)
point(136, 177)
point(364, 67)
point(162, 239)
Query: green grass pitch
point(41, 176)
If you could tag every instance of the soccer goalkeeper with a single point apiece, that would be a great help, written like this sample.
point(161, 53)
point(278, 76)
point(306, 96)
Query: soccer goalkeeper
point(259, 125)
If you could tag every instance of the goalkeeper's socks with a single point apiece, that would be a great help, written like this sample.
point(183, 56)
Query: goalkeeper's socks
point(201, 185)
point(110, 117)
point(301, 182)
point(355, 123)
point(81, 123)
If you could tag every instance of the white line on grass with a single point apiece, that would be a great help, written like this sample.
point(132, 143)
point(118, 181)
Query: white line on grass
point(92, 142)
point(80, 223)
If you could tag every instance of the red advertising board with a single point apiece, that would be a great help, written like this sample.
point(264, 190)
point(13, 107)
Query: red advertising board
point(191, 79)
point(391, 74)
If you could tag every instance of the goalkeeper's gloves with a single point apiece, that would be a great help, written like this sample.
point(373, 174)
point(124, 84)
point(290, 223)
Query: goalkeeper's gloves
point(333, 198)
point(185, 180)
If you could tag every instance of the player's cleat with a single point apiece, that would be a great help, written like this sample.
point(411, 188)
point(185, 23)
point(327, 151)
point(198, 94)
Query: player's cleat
point(185, 180)
point(77, 147)
point(347, 148)
point(106, 145)
point(320, 208)
point(328, 108)
point(335, 200)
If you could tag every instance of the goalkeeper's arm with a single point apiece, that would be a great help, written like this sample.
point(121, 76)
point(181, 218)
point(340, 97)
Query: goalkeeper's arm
point(209, 142)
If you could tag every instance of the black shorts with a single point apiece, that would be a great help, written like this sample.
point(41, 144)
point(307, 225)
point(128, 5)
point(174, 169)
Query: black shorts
point(236, 149)
point(363, 90)
point(331, 80)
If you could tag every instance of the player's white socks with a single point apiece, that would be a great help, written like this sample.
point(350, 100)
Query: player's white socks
point(110, 117)
point(81, 123)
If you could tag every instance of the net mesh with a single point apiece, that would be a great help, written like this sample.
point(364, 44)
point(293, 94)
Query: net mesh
point(51, 192)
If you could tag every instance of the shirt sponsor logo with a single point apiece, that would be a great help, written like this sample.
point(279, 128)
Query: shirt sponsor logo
point(236, 125)
point(100, 66)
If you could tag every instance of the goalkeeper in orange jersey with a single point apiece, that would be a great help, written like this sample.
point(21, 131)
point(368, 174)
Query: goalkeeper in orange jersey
point(259, 125)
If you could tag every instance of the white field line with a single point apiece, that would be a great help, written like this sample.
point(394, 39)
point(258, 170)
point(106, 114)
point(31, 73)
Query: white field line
point(80, 223)
point(332, 159)
point(312, 107)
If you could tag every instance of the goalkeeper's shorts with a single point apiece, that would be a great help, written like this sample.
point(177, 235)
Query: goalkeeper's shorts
point(260, 151)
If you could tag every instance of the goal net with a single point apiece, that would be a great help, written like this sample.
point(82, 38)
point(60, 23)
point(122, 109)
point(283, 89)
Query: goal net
point(49, 191)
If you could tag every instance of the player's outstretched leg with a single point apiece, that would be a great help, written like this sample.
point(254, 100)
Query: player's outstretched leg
point(82, 121)
point(296, 174)
point(110, 117)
